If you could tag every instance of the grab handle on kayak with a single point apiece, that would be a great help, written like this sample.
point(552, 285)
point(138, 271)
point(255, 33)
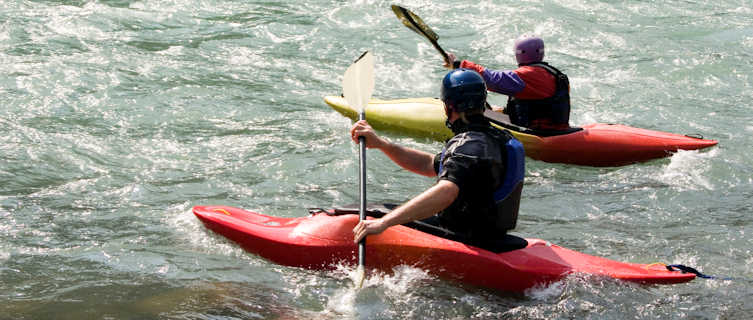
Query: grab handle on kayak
point(695, 136)
point(686, 269)
point(313, 211)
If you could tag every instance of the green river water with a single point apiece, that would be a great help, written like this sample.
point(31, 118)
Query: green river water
point(119, 116)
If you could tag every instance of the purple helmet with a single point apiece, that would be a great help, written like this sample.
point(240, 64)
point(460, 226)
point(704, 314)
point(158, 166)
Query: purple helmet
point(529, 49)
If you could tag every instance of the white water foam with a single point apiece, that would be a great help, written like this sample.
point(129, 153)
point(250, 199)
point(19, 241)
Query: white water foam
point(378, 292)
point(688, 170)
point(546, 292)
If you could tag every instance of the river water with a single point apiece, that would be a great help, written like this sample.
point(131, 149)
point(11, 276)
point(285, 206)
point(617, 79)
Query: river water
point(119, 116)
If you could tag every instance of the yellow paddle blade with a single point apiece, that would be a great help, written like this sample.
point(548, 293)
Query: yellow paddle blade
point(414, 22)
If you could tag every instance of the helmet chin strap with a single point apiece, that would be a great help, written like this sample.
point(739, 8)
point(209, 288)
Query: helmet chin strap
point(448, 112)
point(458, 123)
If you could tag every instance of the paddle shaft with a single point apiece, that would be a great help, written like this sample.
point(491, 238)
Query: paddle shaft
point(362, 184)
point(444, 54)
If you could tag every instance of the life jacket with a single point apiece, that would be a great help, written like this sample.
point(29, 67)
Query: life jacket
point(507, 196)
point(554, 111)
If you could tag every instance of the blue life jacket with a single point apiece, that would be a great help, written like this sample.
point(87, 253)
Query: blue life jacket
point(507, 197)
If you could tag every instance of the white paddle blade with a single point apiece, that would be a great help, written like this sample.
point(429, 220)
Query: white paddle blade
point(360, 276)
point(358, 82)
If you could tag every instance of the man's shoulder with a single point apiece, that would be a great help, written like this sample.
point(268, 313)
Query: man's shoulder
point(470, 143)
point(471, 136)
point(483, 134)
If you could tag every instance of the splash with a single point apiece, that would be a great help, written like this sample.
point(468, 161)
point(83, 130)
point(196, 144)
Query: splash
point(380, 293)
point(689, 170)
point(547, 292)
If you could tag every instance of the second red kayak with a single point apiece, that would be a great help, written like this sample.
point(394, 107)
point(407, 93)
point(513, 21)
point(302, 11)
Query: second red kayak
point(322, 241)
point(596, 144)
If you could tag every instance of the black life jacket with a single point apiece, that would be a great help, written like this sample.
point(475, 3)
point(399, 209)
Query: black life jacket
point(555, 108)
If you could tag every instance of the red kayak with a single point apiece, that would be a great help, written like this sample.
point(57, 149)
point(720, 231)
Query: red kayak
point(603, 145)
point(321, 241)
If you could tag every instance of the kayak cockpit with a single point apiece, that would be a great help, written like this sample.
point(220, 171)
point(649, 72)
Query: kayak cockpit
point(506, 242)
point(503, 121)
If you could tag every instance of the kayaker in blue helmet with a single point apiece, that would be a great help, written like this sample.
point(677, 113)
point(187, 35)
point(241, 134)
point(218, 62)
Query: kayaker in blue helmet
point(480, 171)
point(538, 93)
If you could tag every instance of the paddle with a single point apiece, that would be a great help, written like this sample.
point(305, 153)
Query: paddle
point(414, 22)
point(358, 84)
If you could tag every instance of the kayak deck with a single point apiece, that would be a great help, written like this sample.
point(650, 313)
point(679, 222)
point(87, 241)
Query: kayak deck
point(593, 145)
point(321, 241)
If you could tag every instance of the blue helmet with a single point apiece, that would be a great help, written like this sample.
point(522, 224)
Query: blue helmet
point(464, 90)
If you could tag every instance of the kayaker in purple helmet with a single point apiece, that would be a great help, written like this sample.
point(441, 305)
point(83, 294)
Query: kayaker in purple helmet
point(538, 93)
point(480, 172)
